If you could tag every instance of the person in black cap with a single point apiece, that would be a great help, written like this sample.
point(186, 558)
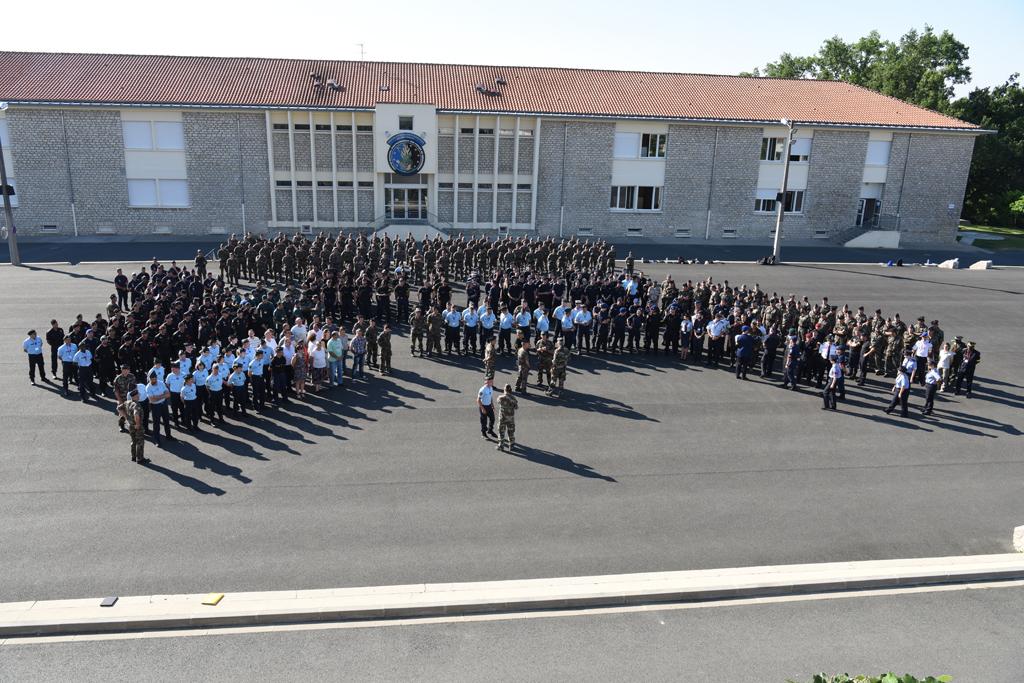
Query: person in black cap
point(744, 351)
point(965, 373)
point(900, 393)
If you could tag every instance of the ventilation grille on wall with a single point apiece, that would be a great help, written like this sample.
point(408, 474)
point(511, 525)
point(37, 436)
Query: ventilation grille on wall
point(634, 231)
point(682, 232)
point(584, 231)
point(729, 233)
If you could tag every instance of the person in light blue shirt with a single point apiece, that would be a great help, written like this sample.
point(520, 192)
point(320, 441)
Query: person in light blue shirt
point(487, 322)
point(157, 395)
point(157, 369)
point(201, 375)
point(582, 319)
point(256, 379)
point(523, 318)
point(568, 330)
point(453, 321)
point(33, 346)
point(556, 318)
point(66, 352)
point(215, 397)
point(185, 363)
point(83, 359)
point(238, 394)
point(471, 322)
point(542, 323)
point(175, 381)
point(505, 324)
point(190, 403)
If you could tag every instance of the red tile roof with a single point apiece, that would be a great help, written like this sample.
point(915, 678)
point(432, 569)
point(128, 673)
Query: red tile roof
point(257, 82)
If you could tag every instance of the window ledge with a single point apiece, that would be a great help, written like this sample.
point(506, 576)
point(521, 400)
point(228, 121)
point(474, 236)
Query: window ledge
point(635, 210)
point(154, 206)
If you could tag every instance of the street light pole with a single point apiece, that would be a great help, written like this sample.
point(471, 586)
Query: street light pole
point(780, 209)
point(12, 232)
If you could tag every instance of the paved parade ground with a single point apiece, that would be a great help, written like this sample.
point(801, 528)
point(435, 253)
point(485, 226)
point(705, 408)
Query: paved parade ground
point(643, 465)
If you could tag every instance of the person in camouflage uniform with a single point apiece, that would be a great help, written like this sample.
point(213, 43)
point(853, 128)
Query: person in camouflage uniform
point(136, 428)
point(507, 406)
point(384, 342)
point(560, 364)
point(434, 325)
point(417, 328)
point(124, 383)
point(545, 356)
point(490, 357)
point(523, 363)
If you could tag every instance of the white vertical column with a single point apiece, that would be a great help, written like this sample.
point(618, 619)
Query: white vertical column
point(291, 170)
point(536, 179)
point(476, 163)
point(312, 166)
point(270, 164)
point(355, 175)
point(334, 170)
point(515, 170)
point(455, 171)
point(494, 179)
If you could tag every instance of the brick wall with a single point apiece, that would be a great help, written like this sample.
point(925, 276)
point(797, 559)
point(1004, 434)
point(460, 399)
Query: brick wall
point(936, 176)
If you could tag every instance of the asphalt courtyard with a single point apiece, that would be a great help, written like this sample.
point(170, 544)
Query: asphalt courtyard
point(644, 465)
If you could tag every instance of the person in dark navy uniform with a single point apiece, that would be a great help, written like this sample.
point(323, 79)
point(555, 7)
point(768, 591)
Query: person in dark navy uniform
point(744, 351)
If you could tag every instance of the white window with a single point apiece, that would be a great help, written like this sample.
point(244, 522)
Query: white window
point(153, 193)
point(627, 145)
point(794, 202)
point(878, 152)
point(633, 198)
point(652, 145)
point(800, 149)
point(622, 197)
point(142, 193)
point(138, 134)
point(5, 141)
point(173, 193)
point(772, 149)
point(640, 145)
point(154, 135)
point(169, 135)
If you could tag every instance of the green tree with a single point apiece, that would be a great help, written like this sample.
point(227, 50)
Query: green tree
point(996, 180)
point(921, 67)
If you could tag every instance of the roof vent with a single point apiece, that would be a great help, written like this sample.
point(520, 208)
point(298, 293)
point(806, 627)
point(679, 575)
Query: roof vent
point(335, 86)
point(318, 82)
point(385, 87)
point(500, 80)
point(484, 90)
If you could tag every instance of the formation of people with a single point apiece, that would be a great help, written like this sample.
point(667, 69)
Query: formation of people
point(181, 343)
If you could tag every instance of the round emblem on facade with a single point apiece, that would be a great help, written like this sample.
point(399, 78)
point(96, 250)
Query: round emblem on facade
point(405, 153)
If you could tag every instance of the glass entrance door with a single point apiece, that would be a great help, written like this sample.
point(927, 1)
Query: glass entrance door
point(405, 203)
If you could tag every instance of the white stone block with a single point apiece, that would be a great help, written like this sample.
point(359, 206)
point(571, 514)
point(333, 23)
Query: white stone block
point(1018, 539)
point(981, 265)
point(952, 264)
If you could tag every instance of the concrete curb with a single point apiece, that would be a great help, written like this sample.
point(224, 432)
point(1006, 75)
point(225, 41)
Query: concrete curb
point(161, 612)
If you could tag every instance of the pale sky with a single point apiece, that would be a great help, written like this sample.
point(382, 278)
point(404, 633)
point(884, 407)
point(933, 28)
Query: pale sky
point(723, 36)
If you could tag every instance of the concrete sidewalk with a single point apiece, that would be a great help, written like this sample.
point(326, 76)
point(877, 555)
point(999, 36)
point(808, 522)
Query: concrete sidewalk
point(156, 612)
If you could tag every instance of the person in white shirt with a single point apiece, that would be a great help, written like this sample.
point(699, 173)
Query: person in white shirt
point(932, 380)
point(922, 351)
point(485, 406)
point(945, 365)
point(835, 374)
point(910, 364)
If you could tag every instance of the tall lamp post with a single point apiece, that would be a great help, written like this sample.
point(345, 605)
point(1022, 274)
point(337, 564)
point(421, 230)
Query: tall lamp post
point(12, 232)
point(780, 201)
